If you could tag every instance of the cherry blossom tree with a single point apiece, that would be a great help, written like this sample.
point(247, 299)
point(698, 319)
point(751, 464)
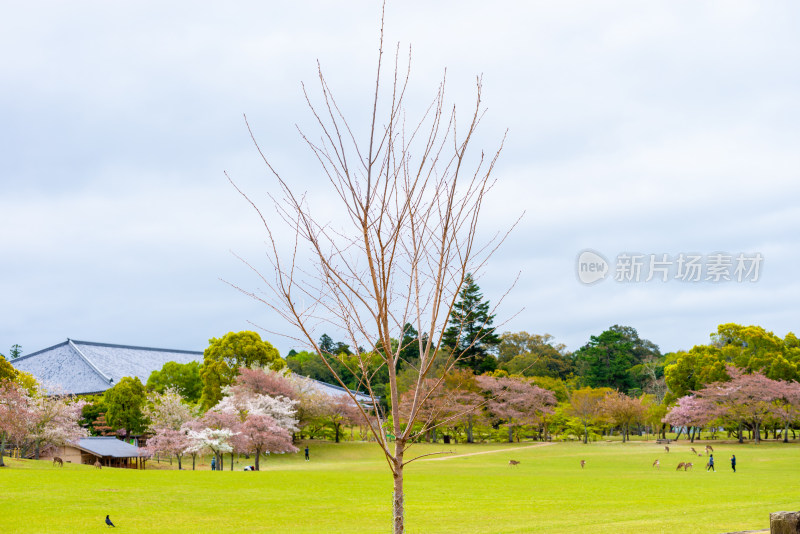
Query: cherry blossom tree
point(16, 413)
point(262, 434)
point(516, 401)
point(54, 421)
point(243, 402)
point(692, 411)
point(787, 405)
point(745, 398)
point(170, 441)
point(167, 410)
point(266, 381)
point(216, 435)
point(342, 411)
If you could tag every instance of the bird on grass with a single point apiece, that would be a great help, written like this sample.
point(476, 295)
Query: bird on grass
point(108, 522)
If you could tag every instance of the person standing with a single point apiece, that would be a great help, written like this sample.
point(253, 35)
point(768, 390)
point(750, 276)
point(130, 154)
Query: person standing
point(213, 464)
point(733, 462)
point(711, 463)
point(306, 453)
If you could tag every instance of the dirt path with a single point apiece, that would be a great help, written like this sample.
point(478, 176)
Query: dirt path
point(485, 452)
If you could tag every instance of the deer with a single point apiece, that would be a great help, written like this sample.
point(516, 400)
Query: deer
point(583, 463)
point(97, 464)
point(687, 466)
point(709, 448)
point(512, 463)
point(657, 464)
point(680, 466)
point(59, 461)
point(694, 451)
point(666, 448)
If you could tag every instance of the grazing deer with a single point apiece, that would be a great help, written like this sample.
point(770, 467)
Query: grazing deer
point(59, 461)
point(657, 464)
point(709, 448)
point(680, 466)
point(512, 463)
point(666, 449)
point(97, 464)
point(694, 451)
point(583, 463)
point(687, 466)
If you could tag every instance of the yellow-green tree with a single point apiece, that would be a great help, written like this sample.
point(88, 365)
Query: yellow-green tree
point(224, 356)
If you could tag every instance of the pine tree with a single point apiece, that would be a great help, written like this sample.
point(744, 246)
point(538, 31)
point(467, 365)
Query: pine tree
point(471, 335)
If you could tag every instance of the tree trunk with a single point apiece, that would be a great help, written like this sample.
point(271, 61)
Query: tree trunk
point(2, 448)
point(179, 462)
point(258, 458)
point(786, 432)
point(194, 457)
point(231, 460)
point(741, 433)
point(510, 434)
point(470, 439)
point(336, 430)
point(585, 434)
point(398, 497)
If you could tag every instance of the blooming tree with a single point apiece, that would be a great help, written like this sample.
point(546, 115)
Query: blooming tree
point(692, 411)
point(15, 414)
point(261, 433)
point(243, 402)
point(54, 421)
point(171, 442)
point(166, 410)
point(516, 401)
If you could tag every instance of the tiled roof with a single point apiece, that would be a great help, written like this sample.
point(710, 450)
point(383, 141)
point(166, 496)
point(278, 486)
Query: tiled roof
point(79, 367)
point(108, 446)
point(338, 391)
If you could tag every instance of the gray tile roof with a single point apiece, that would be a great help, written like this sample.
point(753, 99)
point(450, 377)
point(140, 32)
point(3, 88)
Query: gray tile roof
point(79, 367)
point(338, 391)
point(108, 446)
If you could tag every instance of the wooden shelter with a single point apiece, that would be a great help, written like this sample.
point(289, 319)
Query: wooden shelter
point(108, 450)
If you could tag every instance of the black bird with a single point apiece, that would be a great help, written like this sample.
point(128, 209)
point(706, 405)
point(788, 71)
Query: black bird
point(108, 522)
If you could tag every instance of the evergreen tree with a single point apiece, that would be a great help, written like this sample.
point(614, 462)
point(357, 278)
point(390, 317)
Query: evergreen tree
point(470, 334)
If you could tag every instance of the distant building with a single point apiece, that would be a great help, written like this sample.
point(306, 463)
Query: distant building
point(84, 367)
point(108, 450)
point(338, 391)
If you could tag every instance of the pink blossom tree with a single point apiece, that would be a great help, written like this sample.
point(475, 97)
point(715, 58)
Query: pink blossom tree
point(170, 442)
point(266, 382)
point(516, 401)
point(262, 434)
point(691, 411)
point(54, 421)
point(15, 414)
point(218, 429)
point(787, 405)
point(746, 398)
point(342, 411)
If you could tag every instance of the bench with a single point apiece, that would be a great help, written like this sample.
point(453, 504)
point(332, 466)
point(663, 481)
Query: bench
point(662, 441)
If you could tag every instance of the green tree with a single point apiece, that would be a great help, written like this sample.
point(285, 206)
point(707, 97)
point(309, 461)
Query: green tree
point(185, 377)
point(607, 360)
point(224, 356)
point(7, 371)
point(470, 334)
point(534, 355)
point(124, 403)
point(16, 351)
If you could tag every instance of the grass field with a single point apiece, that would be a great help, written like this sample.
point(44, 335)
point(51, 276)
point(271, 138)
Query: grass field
point(346, 488)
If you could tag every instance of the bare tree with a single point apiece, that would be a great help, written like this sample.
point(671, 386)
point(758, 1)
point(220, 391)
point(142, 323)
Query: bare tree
point(412, 196)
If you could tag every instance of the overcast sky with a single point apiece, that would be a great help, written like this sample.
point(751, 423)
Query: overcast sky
point(634, 128)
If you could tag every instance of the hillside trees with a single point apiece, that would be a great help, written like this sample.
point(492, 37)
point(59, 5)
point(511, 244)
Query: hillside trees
point(534, 355)
point(586, 405)
point(409, 194)
point(516, 402)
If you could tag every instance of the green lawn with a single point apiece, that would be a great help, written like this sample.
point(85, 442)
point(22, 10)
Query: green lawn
point(346, 488)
